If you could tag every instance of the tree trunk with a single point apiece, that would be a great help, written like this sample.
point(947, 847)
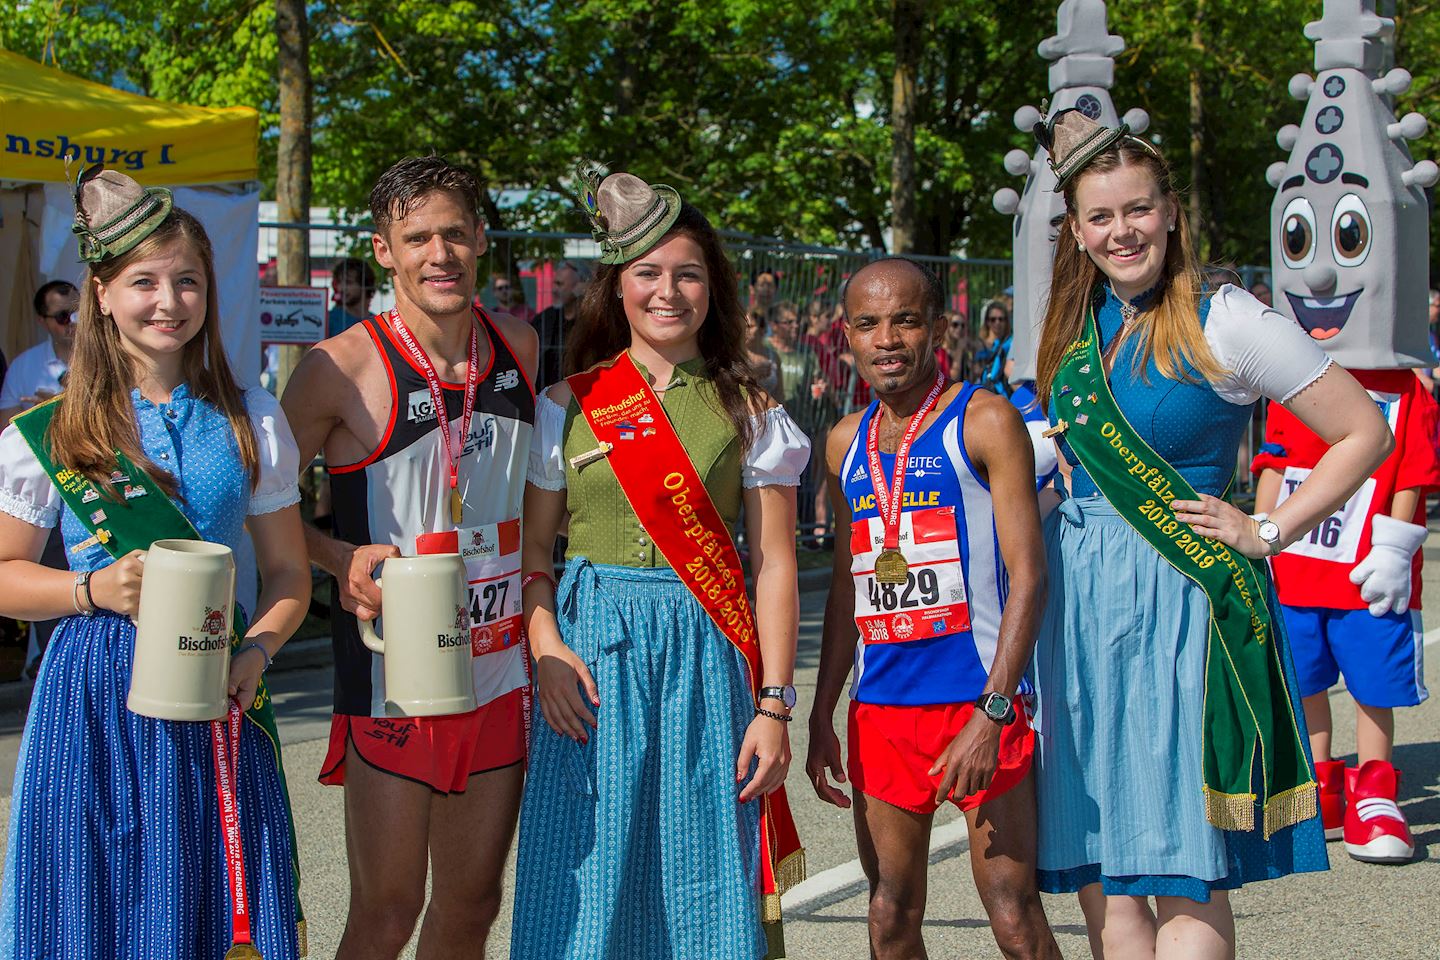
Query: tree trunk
point(292, 175)
point(1199, 228)
point(907, 18)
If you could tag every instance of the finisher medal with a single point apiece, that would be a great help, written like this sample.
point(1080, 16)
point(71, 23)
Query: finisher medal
point(453, 452)
point(225, 744)
point(890, 565)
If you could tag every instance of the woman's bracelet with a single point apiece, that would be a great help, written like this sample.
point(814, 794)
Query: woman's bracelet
point(537, 575)
point(82, 579)
point(263, 652)
point(782, 717)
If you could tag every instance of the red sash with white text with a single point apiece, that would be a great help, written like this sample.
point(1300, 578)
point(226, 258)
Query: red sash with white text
point(669, 498)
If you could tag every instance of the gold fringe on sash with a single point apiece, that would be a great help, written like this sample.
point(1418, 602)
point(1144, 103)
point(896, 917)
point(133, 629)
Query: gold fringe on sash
point(302, 938)
point(788, 873)
point(1291, 807)
point(1230, 811)
point(1236, 811)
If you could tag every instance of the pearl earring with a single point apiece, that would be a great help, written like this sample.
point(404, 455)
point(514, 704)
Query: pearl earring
point(1079, 246)
point(619, 295)
point(1172, 228)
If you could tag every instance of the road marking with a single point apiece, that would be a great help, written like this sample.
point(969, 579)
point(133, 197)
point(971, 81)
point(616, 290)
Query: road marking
point(831, 886)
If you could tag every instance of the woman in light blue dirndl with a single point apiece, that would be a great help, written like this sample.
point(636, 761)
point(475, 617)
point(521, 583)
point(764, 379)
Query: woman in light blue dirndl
point(652, 764)
point(115, 844)
point(1172, 761)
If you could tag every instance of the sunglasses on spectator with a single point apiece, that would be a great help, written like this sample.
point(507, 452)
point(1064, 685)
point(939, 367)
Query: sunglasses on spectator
point(995, 318)
point(64, 317)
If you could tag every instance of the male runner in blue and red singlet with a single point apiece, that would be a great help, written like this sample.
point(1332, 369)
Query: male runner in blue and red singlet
point(425, 415)
point(937, 593)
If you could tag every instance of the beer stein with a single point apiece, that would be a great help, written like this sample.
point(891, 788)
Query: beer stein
point(182, 632)
point(425, 613)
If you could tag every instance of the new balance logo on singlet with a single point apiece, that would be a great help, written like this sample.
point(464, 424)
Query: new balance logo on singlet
point(507, 380)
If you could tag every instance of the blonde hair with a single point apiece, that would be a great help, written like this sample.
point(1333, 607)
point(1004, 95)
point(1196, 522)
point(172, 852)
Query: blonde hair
point(1170, 332)
point(95, 417)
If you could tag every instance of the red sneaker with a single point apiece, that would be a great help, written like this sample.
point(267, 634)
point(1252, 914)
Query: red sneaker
point(1375, 829)
point(1331, 774)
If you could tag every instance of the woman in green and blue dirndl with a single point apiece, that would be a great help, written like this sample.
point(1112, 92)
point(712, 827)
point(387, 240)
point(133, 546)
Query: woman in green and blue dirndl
point(654, 823)
point(1172, 761)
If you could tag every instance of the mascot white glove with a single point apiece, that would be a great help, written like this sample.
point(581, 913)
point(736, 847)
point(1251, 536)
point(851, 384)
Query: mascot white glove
point(1384, 575)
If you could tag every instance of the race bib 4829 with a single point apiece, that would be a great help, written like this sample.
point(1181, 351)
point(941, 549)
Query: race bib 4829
point(932, 601)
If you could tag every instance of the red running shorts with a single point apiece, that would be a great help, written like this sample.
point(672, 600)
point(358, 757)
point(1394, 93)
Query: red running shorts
point(893, 748)
point(443, 753)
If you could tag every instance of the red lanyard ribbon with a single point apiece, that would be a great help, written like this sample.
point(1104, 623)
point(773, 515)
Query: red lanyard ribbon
point(225, 744)
point(437, 398)
point(888, 499)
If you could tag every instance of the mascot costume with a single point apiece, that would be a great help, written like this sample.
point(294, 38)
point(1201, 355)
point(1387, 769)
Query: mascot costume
point(1350, 250)
point(1081, 71)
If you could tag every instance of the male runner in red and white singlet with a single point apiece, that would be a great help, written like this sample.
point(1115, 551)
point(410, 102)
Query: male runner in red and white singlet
point(442, 791)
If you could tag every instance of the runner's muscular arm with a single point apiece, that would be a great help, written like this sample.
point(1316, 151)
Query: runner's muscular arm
point(837, 638)
point(523, 340)
point(314, 405)
point(1000, 447)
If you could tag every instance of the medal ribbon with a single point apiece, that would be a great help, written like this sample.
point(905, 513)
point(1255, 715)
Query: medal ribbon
point(437, 398)
point(225, 744)
point(888, 499)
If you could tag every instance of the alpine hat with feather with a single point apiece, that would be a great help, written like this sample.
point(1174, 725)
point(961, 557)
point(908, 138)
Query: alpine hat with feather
point(113, 213)
point(627, 215)
point(1073, 140)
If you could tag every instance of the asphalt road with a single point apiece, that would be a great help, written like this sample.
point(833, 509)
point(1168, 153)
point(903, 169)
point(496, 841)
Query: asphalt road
point(1354, 910)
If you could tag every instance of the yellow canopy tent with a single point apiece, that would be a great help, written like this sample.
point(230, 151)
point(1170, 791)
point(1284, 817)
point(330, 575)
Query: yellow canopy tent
point(208, 155)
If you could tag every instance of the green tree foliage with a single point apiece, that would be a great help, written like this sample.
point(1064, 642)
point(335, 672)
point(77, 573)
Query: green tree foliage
point(772, 115)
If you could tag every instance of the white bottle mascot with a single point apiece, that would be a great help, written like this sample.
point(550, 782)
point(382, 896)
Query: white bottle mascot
point(1349, 255)
point(1081, 73)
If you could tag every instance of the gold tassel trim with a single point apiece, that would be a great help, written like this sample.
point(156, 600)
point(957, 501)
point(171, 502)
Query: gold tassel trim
point(770, 908)
point(1230, 811)
point(302, 938)
point(788, 873)
point(1291, 807)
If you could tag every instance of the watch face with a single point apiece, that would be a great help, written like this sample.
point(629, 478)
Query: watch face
point(1269, 531)
point(996, 707)
point(789, 698)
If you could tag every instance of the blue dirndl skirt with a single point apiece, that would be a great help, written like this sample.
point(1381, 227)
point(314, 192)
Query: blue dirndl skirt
point(633, 846)
point(1120, 667)
point(115, 848)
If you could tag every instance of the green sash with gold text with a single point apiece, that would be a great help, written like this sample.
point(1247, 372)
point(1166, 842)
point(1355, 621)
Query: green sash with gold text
point(1251, 740)
point(127, 520)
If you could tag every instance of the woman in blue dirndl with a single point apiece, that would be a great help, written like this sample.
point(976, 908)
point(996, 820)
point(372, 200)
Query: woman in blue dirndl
point(115, 846)
point(1125, 811)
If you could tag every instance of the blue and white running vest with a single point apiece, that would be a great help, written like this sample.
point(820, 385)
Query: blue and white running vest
point(931, 640)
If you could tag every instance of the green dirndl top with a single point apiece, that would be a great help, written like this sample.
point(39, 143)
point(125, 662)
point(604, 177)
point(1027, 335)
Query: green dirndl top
point(603, 526)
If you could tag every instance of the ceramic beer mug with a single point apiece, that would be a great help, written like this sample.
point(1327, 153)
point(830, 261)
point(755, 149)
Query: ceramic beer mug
point(182, 631)
point(425, 613)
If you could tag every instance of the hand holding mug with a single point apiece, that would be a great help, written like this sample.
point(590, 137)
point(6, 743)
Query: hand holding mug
point(117, 587)
point(358, 591)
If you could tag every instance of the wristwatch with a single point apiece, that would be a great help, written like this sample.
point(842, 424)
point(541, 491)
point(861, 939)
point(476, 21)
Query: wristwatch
point(785, 695)
point(1268, 531)
point(997, 707)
